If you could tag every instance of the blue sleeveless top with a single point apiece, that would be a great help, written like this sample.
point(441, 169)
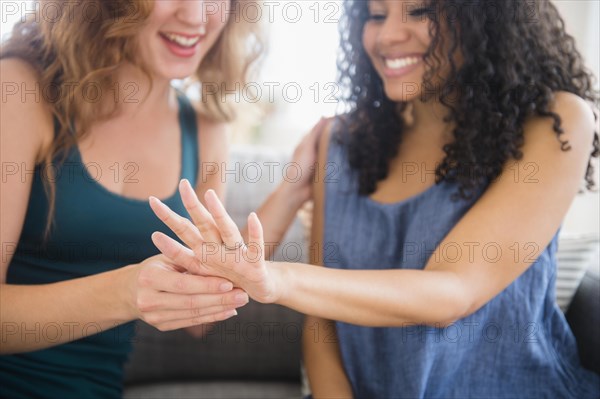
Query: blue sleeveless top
point(516, 346)
point(95, 231)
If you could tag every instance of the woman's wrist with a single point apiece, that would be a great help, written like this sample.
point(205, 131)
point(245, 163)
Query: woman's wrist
point(126, 307)
point(283, 281)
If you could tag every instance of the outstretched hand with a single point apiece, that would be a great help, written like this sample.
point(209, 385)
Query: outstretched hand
point(214, 245)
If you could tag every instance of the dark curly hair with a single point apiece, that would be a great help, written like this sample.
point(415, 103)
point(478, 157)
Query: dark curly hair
point(515, 54)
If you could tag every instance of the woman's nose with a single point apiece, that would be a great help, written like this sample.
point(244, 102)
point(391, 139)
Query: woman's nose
point(197, 12)
point(393, 32)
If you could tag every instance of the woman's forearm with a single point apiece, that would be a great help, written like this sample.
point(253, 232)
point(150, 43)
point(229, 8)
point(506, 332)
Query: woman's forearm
point(35, 317)
point(371, 297)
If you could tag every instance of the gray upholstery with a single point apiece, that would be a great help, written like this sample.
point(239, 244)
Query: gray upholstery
point(215, 390)
point(261, 344)
point(584, 318)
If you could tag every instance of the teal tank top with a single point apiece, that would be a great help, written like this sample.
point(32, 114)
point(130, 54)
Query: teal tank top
point(94, 231)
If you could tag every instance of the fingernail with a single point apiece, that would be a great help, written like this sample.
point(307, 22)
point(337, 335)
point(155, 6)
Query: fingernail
point(226, 286)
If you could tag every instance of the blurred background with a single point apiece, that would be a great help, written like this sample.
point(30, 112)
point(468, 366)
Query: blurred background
point(296, 85)
point(582, 20)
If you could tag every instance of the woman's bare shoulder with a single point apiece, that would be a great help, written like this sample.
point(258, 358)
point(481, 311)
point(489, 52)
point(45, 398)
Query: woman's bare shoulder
point(28, 114)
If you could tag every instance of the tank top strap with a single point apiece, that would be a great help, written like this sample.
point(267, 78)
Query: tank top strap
point(189, 139)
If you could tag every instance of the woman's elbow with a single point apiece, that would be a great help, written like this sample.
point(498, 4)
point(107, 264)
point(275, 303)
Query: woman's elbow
point(451, 314)
point(454, 304)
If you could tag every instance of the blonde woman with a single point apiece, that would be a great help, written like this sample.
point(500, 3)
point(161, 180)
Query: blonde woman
point(91, 126)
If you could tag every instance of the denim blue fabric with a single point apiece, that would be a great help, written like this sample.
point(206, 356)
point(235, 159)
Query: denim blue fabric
point(518, 345)
point(94, 231)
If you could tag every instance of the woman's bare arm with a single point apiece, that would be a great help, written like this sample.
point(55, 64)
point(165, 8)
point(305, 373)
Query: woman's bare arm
point(512, 211)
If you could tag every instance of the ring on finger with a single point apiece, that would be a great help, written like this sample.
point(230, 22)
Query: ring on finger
point(234, 247)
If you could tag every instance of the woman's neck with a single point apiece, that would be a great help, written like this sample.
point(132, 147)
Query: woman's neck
point(427, 123)
point(140, 98)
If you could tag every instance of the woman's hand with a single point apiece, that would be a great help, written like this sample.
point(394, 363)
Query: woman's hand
point(217, 247)
point(164, 295)
point(305, 158)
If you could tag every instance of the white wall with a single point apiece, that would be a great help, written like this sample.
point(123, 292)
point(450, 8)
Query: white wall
point(303, 45)
point(582, 20)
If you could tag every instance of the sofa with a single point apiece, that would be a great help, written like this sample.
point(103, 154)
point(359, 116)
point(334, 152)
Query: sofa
point(257, 354)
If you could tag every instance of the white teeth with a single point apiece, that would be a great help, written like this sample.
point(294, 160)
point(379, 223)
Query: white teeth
point(182, 40)
point(398, 63)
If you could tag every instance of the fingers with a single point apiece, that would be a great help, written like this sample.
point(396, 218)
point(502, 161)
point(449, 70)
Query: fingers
point(183, 257)
point(199, 214)
point(168, 300)
point(182, 227)
point(177, 253)
point(165, 316)
point(162, 279)
point(174, 325)
point(256, 242)
point(194, 303)
point(230, 234)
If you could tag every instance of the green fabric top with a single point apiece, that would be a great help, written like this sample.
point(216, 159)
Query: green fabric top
point(94, 231)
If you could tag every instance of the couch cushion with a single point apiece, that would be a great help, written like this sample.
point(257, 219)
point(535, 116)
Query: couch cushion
point(261, 343)
point(215, 390)
point(584, 318)
point(576, 253)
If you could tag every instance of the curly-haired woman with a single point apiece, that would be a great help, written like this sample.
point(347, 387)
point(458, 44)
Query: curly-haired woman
point(442, 192)
point(91, 126)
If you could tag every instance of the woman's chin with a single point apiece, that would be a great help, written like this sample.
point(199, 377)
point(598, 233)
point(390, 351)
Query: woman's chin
point(399, 95)
point(175, 74)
